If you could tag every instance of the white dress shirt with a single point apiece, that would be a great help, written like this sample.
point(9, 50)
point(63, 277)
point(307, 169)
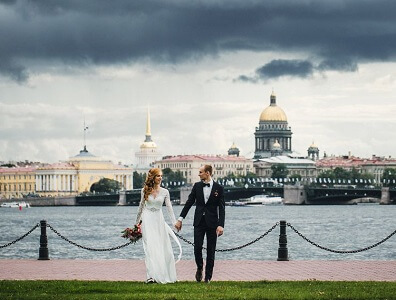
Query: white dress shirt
point(207, 190)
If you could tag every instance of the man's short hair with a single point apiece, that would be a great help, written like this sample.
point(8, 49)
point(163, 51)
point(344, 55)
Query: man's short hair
point(208, 168)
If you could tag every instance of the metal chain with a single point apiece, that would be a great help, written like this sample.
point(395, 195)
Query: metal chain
point(22, 237)
point(235, 248)
point(88, 248)
point(340, 251)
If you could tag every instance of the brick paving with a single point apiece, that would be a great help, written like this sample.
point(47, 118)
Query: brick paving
point(247, 270)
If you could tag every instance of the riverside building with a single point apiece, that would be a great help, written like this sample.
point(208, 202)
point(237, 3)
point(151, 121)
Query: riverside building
point(295, 165)
point(78, 174)
point(223, 165)
point(17, 182)
point(375, 165)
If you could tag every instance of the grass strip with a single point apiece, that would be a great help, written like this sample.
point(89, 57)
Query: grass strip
point(63, 289)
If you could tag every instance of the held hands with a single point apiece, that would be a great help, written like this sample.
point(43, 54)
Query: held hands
point(178, 225)
point(219, 231)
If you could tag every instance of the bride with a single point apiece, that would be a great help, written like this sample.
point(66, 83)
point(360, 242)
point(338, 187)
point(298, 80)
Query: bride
point(156, 234)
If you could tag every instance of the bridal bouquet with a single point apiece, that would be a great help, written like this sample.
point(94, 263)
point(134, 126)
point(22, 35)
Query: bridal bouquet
point(133, 234)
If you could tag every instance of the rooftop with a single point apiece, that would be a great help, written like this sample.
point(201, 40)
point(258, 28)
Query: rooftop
point(17, 169)
point(283, 159)
point(352, 161)
point(203, 157)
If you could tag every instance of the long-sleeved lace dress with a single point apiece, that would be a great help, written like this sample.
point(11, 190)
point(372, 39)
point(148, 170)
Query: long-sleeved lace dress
point(156, 234)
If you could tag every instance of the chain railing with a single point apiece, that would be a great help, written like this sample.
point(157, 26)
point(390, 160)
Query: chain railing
point(235, 248)
point(340, 251)
point(20, 238)
point(282, 251)
point(84, 247)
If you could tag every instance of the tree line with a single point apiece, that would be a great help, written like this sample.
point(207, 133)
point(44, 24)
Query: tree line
point(279, 171)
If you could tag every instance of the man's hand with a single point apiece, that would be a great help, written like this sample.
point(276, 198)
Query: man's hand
point(178, 225)
point(219, 231)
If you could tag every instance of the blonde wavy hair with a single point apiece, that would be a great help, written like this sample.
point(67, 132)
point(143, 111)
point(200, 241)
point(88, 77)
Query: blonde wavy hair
point(150, 182)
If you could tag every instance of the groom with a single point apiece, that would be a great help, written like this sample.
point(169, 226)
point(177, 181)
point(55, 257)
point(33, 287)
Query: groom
point(208, 197)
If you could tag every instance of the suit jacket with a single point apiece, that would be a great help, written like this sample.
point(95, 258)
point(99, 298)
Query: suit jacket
point(213, 210)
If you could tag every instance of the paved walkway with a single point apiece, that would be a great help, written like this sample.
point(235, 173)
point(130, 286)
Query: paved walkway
point(134, 270)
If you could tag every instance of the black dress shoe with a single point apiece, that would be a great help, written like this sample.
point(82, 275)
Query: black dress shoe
point(198, 275)
point(150, 280)
point(207, 280)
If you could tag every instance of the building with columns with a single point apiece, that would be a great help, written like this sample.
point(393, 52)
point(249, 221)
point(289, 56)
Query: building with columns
point(17, 182)
point(148, 152)
point(78, 174)
point(223, 165)
point(375, 165)
point(273, 135)
point(295, 165)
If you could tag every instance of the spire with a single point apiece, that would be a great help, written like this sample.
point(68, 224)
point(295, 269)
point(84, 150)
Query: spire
point(85, 144)
point(148, 127)
point(273, 98)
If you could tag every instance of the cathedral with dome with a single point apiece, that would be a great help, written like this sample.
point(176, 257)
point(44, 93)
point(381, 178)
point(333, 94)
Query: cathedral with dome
point(148, 153)
point(273, 136)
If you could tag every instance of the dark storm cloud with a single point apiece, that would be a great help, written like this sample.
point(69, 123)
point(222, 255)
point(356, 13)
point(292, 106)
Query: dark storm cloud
point(281, 67)
point(336, 34)
point(296, 68)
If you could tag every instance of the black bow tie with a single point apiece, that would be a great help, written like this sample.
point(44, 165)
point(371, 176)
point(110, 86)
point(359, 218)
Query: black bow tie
point(206, 184)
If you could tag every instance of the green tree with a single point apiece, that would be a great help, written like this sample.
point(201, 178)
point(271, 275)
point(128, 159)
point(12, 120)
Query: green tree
point(347, 177)
point(355, 175)
point(279, 171)
point(367, 177)
point(138, 180)
point(251, 175)
point(170, 176)
point(106, 185)
point(295, 177)
point(8, 165)
point(341, 173)
point(389, 176)
point(327, 174)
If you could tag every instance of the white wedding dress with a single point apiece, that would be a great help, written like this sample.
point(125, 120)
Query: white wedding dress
point(156, 234)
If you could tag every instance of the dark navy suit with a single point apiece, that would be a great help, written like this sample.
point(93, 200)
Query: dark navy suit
point(207, 217)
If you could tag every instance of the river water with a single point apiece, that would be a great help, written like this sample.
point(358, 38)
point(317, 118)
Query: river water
point(342, 227)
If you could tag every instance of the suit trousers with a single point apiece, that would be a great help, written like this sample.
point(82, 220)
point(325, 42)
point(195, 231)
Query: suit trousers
point(211, 238)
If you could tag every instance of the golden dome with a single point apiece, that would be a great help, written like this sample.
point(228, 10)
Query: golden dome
point(273, 112)
point(234, 146)
point(276, 145)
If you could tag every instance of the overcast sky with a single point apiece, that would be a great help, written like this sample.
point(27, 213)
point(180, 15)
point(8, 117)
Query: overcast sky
point(205, 68)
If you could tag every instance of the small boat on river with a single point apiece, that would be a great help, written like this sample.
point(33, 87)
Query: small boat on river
point(236, 203)
point(264, 200)
point(22, 204)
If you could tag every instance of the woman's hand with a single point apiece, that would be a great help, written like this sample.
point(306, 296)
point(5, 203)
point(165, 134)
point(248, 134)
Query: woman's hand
point(178, 225)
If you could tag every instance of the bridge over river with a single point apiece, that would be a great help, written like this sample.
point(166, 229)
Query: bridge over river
point(292, 194)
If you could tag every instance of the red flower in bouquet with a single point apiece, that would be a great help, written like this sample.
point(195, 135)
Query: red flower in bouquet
point(133, 234)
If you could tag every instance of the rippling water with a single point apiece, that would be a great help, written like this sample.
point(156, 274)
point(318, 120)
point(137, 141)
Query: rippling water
point(337, 227)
